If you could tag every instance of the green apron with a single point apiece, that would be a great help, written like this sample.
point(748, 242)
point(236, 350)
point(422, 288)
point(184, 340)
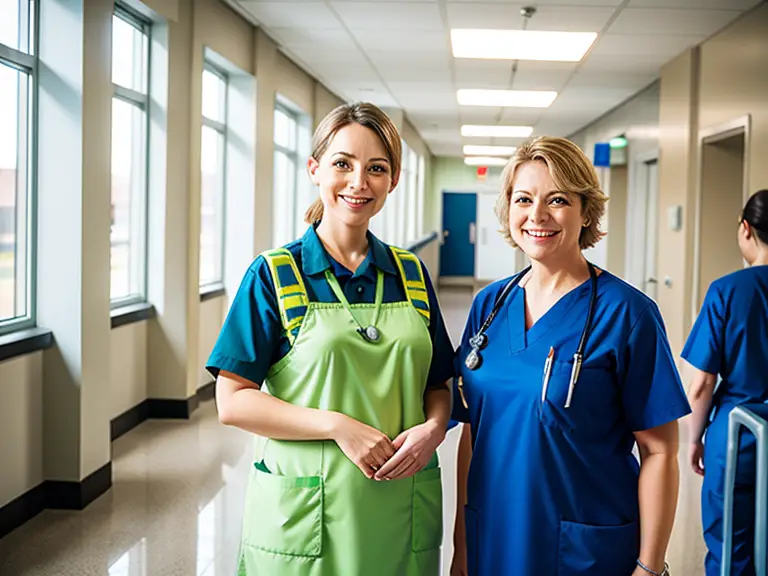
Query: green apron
point(309, 510)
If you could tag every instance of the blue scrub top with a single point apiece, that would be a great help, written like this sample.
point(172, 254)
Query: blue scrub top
point(553, 490)
point(730, 336)
point(252, 338)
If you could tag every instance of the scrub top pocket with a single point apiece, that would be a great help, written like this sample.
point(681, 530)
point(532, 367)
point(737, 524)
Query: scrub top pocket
point(284, 515)
point(585, 549)
point(427, 510)
point(594, 403)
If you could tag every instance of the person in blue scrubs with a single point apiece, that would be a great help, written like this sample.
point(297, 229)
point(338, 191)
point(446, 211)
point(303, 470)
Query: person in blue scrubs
point(549, 487)
point(730, 339)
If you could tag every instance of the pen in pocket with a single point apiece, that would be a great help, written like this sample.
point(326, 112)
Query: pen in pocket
point(547, 372)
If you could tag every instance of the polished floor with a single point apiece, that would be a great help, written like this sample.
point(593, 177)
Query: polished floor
point(176, 504)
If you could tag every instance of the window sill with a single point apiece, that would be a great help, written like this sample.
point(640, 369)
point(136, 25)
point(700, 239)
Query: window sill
point(210, 292)
point(132, 314)
point(24, 342)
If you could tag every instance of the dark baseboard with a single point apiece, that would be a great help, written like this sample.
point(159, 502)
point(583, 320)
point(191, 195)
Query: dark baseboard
point(22, 509)
point(55, 494)
point(171, 408)
point(160, 408)
point(207, 392)
point(128, 420)
point(61, 495)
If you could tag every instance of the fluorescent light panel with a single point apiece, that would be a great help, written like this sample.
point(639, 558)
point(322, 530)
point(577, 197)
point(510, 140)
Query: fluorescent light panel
point(472, 150)
point(485, 161)
point(521, 44)
point(506, 98)
point(469, 130)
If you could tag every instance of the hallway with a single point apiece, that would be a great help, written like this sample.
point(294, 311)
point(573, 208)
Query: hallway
point(176, 504)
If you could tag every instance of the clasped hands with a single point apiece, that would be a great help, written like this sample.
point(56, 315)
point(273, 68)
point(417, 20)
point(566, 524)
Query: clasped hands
point(380, 458)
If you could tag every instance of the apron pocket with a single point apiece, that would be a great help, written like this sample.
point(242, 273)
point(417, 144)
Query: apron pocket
point(585, 549)
point(427, 510)
point(284, 514)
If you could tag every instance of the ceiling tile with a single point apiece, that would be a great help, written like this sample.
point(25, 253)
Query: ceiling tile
point(292, 15)
point(507, 16)
point(638, 64)
point(491, 74)
point(558, 3)
point(640, 44)
point(671, 21)
point(402, 41)
point(413, 67)
point(313, 37)
point(695, 4)
point(417, 16)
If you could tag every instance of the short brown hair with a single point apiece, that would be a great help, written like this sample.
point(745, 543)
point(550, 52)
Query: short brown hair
point(570, 170)
point(365, 114)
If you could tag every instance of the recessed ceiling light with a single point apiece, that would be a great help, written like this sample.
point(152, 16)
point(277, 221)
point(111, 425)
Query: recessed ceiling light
point(516, 98)
point(485, 161)
point(470, 130)
point(521, 44)
point(471, 150)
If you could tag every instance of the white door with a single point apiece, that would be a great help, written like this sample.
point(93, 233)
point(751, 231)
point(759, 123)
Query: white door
point(650, 281)
point(494, 258)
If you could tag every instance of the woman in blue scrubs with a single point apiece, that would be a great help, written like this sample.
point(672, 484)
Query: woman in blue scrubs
point(730, 339)
point(548, 484)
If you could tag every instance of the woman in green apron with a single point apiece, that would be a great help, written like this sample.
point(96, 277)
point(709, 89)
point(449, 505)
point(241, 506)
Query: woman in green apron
point(346, 336)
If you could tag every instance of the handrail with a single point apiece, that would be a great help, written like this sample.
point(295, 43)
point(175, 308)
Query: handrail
point(418, 245)
point(752, 417)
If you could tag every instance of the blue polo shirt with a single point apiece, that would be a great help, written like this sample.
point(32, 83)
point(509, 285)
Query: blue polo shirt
point(252, 338)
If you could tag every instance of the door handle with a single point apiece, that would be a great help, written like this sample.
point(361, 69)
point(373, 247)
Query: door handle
point(652, 281)
point(472, 232)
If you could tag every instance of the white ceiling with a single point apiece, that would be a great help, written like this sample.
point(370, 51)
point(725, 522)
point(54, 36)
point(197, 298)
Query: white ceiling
point(398, 54)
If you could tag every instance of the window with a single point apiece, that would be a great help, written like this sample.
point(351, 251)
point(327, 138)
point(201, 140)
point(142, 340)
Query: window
point(17, 79)
point(130, 152)
point(292, 191)
point(213, 159)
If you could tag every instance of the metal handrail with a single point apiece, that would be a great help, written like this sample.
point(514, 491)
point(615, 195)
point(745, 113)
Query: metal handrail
point(746, 415)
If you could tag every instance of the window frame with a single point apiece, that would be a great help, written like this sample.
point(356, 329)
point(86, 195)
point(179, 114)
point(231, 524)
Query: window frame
point(216, 286)
point(143, 102)
point(26, 63)
point(292, 155)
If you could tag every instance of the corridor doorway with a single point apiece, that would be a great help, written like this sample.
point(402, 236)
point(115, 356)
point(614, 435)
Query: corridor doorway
point(721, 195)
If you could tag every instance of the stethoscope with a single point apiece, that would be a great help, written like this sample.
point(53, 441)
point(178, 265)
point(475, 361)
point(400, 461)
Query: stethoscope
point(480, 340)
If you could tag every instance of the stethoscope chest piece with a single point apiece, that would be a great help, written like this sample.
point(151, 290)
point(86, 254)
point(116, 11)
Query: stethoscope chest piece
point(473, 359)
point(370, 333)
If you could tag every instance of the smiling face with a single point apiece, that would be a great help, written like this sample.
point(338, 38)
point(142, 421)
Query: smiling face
point(544, 222)
point(354, 176)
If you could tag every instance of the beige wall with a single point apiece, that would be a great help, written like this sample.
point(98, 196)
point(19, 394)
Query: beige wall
point(723, 79)
point(617, 216)
point(678, 126)
point(734, 82)
point(211, 318)
point(128, 367)
point(638, 120)
point(21, 425)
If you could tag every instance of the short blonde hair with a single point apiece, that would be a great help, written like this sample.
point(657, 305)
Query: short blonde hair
point(570, 170)
point(365, 114)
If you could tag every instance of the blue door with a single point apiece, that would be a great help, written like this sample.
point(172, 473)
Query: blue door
point(457, 254)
